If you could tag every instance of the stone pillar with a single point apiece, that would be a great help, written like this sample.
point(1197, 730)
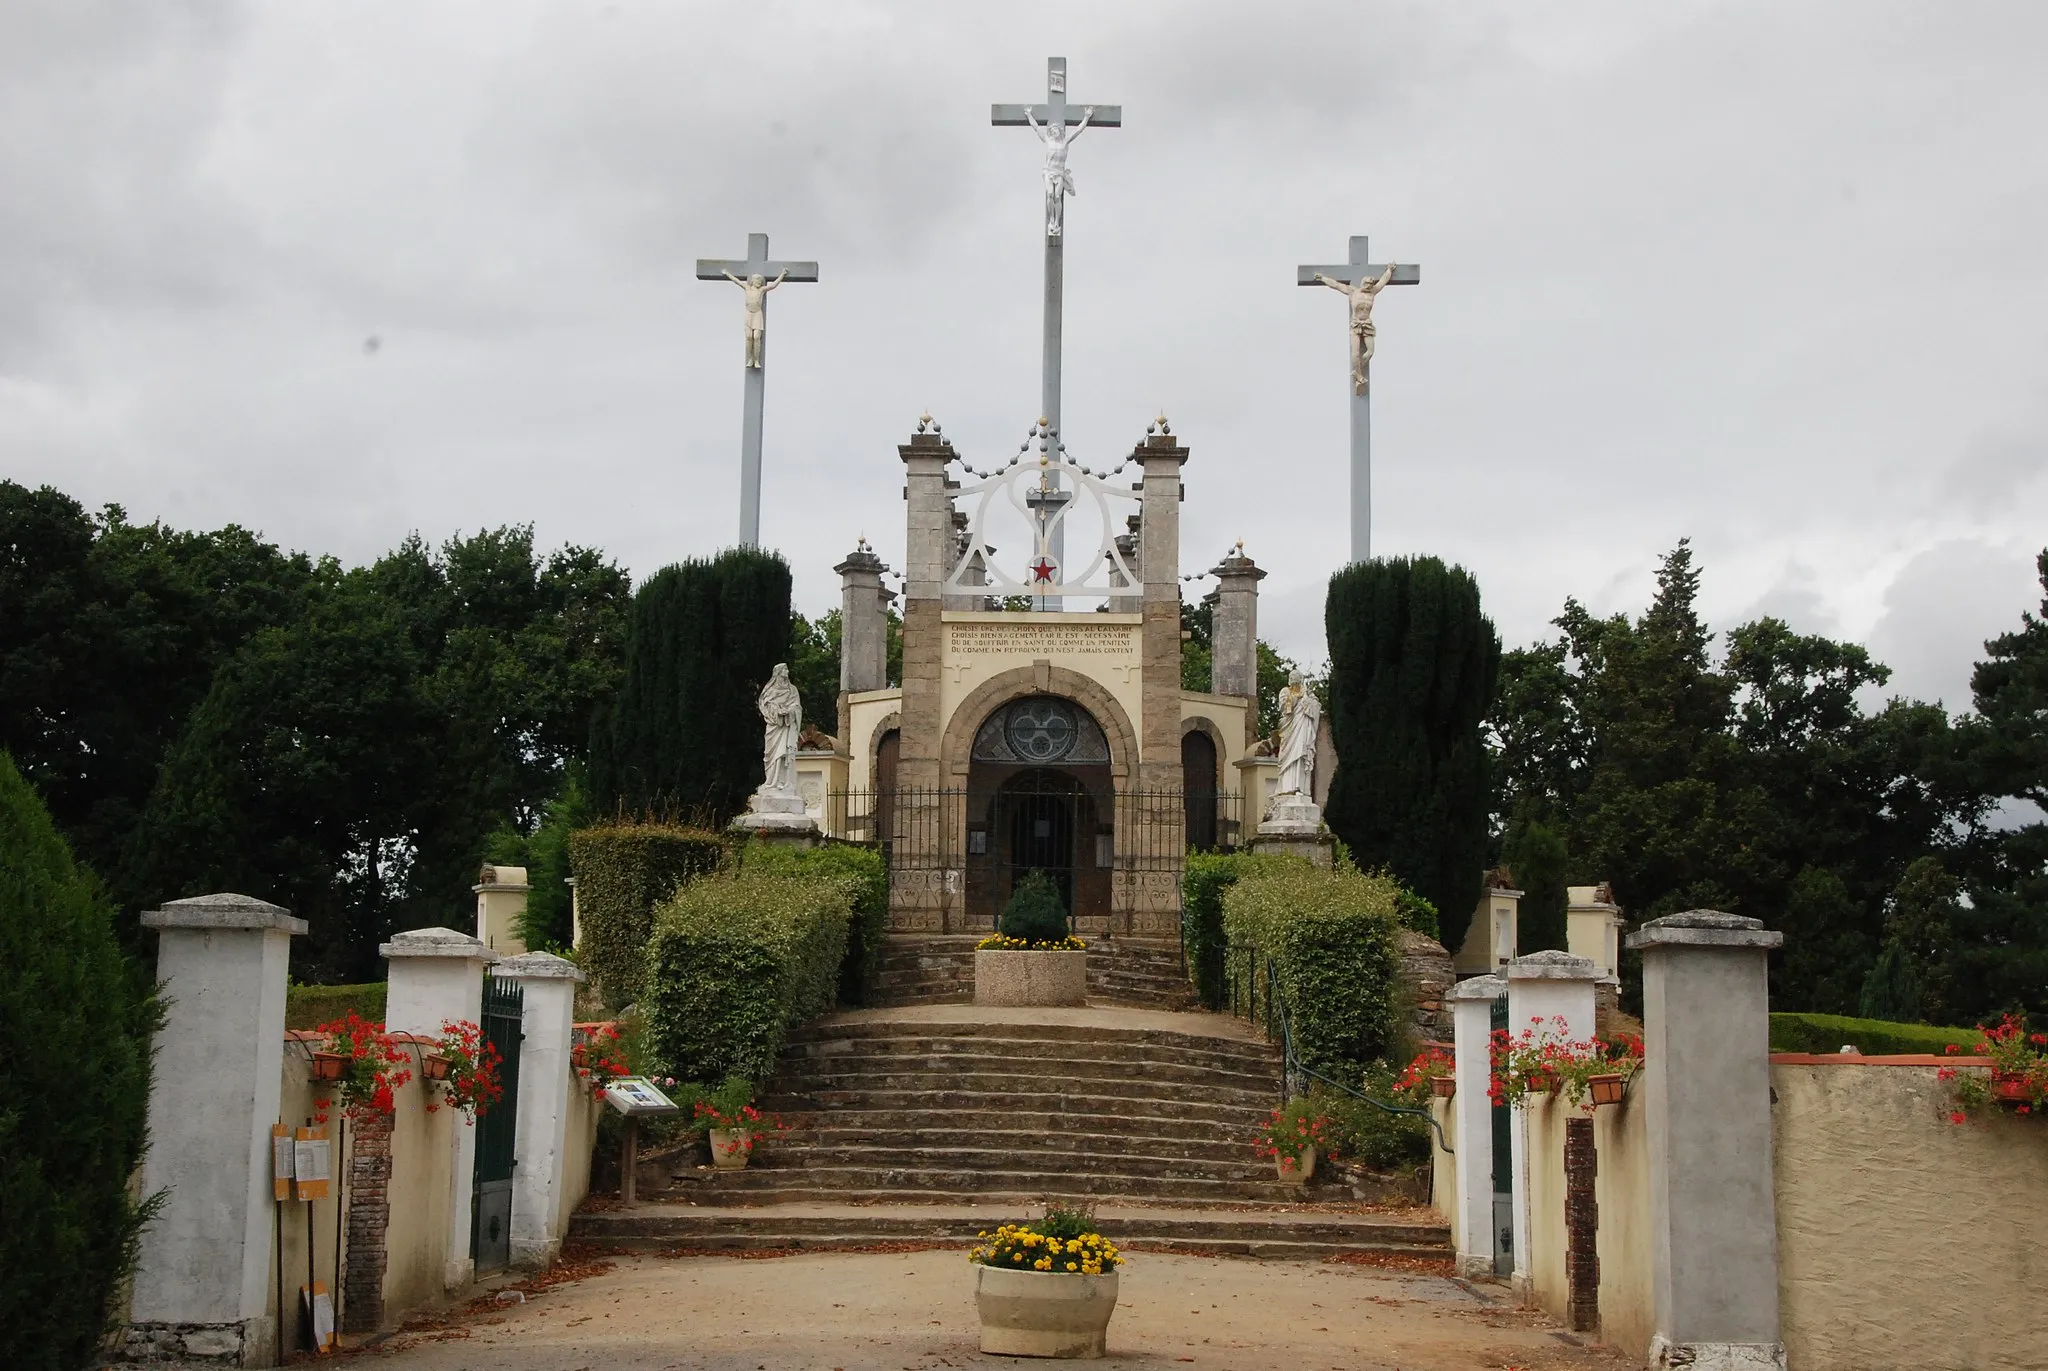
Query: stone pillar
point(1542, 986)
point(1133, 552)
point(919, 897)
point(202, 1279)
point(500, 904)
point(546, 1078)
point(1472, 1219)
point(1152, 901)
point(437, 976)
point(863, 624)
point(1234, 631)
point(1707, 1119)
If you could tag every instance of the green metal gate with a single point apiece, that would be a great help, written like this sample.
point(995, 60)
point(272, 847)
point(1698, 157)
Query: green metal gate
point(490, 1234)
point(1503, 1171)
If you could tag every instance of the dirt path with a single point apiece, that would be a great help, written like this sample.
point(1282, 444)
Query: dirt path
point(882, 1312)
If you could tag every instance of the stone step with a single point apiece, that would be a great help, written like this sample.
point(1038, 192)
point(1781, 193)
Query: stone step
point(822, 1227)
point(1235, 1056)
point(839, 1071)
point(954, 1109)
point(1108, 1137)
point(766, 1184)
point(1229, 1033)
point(830, 1093)
point(1112, 1157)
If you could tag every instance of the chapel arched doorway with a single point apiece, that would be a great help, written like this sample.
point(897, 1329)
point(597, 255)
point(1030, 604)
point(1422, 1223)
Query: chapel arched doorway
point(1040, 798)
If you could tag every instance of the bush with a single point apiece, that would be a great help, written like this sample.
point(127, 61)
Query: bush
point(1416, 913)
point(1034, 913)
point(309, 1006)
point(870, 876)
point(739, 959)
point(622, 872)
point(1332, 941)
point(1207, 877)
point(1382, 1141)
point(1826, 1033)
point(75, 1025)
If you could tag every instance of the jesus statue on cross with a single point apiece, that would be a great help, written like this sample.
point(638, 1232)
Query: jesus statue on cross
point(1362, 331)
point(1059, 181)
point(756, 287)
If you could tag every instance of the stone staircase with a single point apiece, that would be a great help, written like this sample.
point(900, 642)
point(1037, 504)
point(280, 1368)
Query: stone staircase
point(931, 1124)
point(929, 968)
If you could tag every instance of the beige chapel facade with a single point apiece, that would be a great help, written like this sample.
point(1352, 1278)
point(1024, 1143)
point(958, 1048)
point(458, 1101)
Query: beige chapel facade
point(1040, 740)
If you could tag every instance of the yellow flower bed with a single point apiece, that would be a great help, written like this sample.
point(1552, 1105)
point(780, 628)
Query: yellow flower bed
point(1022, 1248)
point(996, 942)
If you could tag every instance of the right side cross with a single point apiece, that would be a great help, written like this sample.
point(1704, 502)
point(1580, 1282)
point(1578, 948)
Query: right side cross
point(1362, 280)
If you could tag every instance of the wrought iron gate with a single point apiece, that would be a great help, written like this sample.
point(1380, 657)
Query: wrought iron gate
point(1503, 1170)
point(490, 1233)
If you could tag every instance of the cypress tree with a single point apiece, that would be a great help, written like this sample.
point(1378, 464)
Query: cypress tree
point(75, 1025)
point(1413, 666)
point(1535, 854)
point(684, 738)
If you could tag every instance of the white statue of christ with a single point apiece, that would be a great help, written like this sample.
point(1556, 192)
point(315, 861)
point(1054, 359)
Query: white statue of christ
point(1363, 333)
point(757, 287)
point(1059, 181)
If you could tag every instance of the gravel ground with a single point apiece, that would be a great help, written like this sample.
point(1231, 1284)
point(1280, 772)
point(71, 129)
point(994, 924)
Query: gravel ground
point(885, 1311)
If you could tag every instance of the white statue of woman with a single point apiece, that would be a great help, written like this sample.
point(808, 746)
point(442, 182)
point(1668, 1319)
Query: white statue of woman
point(782, 713)
point(1300, 713)
point(1363, 332)
point(1059, 182)
point(756, 288)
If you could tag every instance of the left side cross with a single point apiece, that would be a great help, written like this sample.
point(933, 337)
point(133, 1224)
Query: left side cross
point(755, 276)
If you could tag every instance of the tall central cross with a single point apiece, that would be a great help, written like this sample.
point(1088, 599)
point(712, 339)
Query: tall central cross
point(1360, 274)
point(1050, 121)
point(756, 276)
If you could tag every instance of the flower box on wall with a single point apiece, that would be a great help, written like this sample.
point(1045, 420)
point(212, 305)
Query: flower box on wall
point(330, 1066)
point(1606, 1089)
point(435, 1067)
point(1443, 1087)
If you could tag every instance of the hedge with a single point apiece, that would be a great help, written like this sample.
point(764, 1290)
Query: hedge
point(870, 875)
point(1826, 1033)
point(739, 959)
point(1331, 936)
point(75, 1024)
point(309, 1006)
point(1207, 877)
point(622, 872)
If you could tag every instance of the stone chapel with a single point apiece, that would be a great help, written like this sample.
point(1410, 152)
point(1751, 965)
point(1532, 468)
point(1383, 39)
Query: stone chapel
point(1054, 738)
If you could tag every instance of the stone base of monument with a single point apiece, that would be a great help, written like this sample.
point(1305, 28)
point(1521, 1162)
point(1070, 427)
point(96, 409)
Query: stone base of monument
point(1030, 978)
point(778, 819)
point(1294, 826)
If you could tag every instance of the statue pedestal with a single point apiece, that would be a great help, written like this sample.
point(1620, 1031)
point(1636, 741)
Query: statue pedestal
point(778, 819)
point(1294, 826)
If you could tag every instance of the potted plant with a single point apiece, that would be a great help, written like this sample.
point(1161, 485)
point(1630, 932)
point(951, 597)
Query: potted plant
point(733, 1124)
point(373, 1064)
point(2018, 1077)
point(1432, 1074)
point(1046, 1289)
point(469, 1078)
point(1291, 1137)
point(1543, 1059)
point(1031, 959)
point(600, 1058)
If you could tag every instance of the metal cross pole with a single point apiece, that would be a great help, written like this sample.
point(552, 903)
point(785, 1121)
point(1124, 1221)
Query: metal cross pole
point(1054, 113)
point(1360, 269)
point(770, 274)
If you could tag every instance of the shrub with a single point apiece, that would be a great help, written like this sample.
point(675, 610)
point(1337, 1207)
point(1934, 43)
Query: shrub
point(1331, 938)
point(1207, 876)
point(75, 1025)
point(622, 872)
point(870, 876)
point(1034, 913)
point(1381, 1141)
point(1416, 913)
point(739, 959)
point(309, 1006)
point(1823, 1033)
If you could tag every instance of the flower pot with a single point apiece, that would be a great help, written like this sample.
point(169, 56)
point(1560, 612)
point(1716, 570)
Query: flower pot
point(1606, 1088)
point(2008, 1088)
point(1542, 1085)
point(1044, 1313)
point(1296, 1169)
point(1443, 1087)
point(731, 1148)
point(1003, 977)
point(435, 1067)
point(330, 1066)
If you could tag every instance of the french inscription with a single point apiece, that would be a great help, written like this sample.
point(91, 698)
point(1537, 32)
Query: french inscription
point(1042, 640)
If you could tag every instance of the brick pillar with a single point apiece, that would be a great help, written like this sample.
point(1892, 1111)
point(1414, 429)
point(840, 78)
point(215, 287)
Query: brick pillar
point(919, 897)
point(202, 1275)
point(1707, 1119)
point(1581, 1225)
point(369, 1221)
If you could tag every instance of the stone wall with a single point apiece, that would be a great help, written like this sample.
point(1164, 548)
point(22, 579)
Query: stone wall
point(1426, 977)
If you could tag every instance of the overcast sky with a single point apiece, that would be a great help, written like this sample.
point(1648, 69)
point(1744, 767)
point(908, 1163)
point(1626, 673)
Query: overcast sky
point(1769, 276)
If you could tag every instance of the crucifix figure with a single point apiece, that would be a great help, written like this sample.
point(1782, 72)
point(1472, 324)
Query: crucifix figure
point(756, 288)
point(1362, 280)
point(753, 277)
point(1050, 121)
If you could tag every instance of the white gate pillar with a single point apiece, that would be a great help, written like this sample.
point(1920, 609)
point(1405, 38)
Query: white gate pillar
point(1545, 987)
point(1472, 1218)
point(546, 1077)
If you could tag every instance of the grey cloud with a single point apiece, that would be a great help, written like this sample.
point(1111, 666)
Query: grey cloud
point(1942, 607)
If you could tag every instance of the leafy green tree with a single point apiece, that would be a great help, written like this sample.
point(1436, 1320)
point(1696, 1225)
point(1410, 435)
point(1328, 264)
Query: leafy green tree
point(75, 1025)
point(1197, 645)
point(1911, 978)
point(814, 666)
point(1535, 853)
point(685, 734)
point(1413, 665)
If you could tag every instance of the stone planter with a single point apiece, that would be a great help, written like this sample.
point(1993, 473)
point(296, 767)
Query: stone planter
point(731, 1148)
point(1296, 1169)
point(1043, 1313)
point(1030, 978)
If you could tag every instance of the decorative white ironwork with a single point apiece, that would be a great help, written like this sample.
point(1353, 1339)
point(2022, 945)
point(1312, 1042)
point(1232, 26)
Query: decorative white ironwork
point(1041, 483)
